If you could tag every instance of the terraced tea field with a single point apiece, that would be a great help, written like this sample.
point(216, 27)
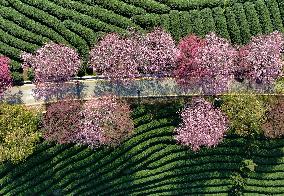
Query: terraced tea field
point(149, 163)
point(25, 25)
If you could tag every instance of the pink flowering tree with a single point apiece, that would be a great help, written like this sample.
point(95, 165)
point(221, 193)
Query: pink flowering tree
point(5, 75)
point(260, 60)
point(53, 64)
point(106, 121)
point(202, 125)
point(207, 63)
point(187, 72)
point(61, 122)
point(120, 58)
point(115, 57)
point(160, 53)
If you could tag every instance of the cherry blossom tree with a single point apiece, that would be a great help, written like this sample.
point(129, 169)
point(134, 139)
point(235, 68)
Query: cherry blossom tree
point(208, 63)
point(121, 58)
point(202, 125)
point(106, 121)
point(260, 60)
point(5, 75)
point(115, 57)
point(160, 53)
point(61, 122)
point(53, 64)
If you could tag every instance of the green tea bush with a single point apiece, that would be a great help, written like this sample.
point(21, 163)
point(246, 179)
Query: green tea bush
point(275, 15)
point(185, 24)
point(150, 5)
point(29, 24)
point(118, 6)
point(21, 33)
point(96, 12)
point(252, 18)
point(246, 113)
point(18, 132)
point(220, 22)
point(9, 51)
point(196, 22)
point(175, 25)
point(165, 22)
point(233, 27)
point(281, 8)
point(17, 78)
point(17, 43)
point(242, 22)
point(147, 20)
point(264, 16)
point(207, 20)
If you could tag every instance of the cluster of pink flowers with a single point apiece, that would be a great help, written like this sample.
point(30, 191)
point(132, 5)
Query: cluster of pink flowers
point(61, 122)
point(5, 75)
point(260, 60)
point(53, 64)
point(161, 53)
point(106, 121)
point(115, 57)
point(202, 125)
point(100, 121)
point(211, 63)
point(208, 63)
point(120, 58)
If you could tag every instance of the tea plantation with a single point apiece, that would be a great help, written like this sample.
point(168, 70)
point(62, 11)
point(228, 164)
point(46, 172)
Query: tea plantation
point(27, 24)
point(149, 163)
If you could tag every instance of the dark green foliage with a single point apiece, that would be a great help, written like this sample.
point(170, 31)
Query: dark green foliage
point(52, 22)
point(147, 20)
point(30, 74)
point(17, 78)
point(165, 22)
point(196, 21)
point(21, 33)
point(275, 15)
point(29, 24)
point(175, 26)
point(16, 66)
point(150, 5)
point(207, 20)
point(252, 18)
point(86, 33)
point(264, 16)
point(185, 24)
point(233, 28)
point(281, 8)
point(13, 53)
point(96, 12)
point(118, 7)
point(197, 4)
point(17, 43)
point(242, 22)
point(220, 22)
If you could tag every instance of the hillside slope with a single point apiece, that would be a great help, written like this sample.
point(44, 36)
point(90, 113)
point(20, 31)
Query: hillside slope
point(149, 163)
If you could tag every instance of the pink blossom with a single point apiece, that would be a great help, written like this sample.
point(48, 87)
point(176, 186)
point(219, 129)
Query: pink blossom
point(202, 125)
point(106, 121)
point(5, 75)
point(53, 63)
point(260, 60)
point(208, 63)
